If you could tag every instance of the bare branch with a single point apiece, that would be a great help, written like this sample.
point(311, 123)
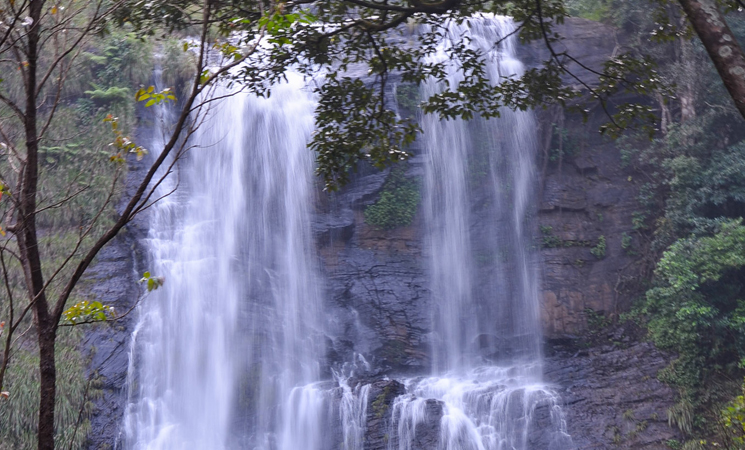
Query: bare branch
point(134, 201)
point(11, 327)
point(555, 57)
point(12, 105)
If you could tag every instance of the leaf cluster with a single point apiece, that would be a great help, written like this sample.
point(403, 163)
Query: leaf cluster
point(88, 311)
point(733, 418)
point(351, 49)
point(697, 308)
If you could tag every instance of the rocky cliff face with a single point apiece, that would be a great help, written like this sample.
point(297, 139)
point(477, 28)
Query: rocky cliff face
point(588, 227)
point(377, 283)
point(379, 305)
point(587, 201)
point(375, 280)
point(589, 248)
point(612, 397)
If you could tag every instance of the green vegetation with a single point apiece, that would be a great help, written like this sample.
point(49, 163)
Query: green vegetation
point(733, 419)
point(697, 308)
point(596, 10)
point(627, 244)
point(564, 145)
point(398, 201)
point(75, 395)
point(596, 320)
point(549, 239)
point(380, 404)
point(598, 250)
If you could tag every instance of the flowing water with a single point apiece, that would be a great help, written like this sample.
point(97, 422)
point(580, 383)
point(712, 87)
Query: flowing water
point(227, 354)
point(479, 200)
point(229, 347)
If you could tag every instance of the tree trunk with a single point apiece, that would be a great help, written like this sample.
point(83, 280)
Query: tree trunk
point(48, 389)
point(709, 24)
point(28, 243)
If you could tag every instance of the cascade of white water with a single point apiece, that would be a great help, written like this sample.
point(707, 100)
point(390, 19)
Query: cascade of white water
point(229, 347)
point(478, 201)
point(353, 414)
point(226, 354)
point(483, 276)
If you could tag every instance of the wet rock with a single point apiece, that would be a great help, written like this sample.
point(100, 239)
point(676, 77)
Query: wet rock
point(379, 408)
point(332, 228)
point(381, 427)
point(427, 435)
point(376, 283)
point(612, 397)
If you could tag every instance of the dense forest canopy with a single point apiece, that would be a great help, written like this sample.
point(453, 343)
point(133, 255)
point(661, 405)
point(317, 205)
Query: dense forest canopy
point(71, 74)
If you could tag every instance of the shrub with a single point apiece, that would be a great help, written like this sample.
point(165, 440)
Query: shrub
point(397, 204)
point(599, 250)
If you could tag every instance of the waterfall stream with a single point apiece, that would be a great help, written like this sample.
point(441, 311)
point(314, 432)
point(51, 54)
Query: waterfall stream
point(239, 311)
point(228, 353)
point(479, 202)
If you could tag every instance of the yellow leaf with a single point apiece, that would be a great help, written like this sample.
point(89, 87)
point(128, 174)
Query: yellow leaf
point(2, 232)
point(54, 10)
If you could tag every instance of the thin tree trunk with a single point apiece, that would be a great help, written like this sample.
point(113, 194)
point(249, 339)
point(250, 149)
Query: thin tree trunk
point(28, 244)
point(726, 54)
point(48, 388)
point(686, 90)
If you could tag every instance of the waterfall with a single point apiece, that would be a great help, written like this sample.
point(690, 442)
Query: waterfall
point(228, 353)
point(483, 275)
point(229, 348)
point(479, 202)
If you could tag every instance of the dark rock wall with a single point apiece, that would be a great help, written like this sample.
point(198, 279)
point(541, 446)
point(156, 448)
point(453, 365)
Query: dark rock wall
point(586, 215)
point(377, 280)
point(612, 396)
point(586, 195)
point(113, 280)
point(109, 345)
point(378, 298)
